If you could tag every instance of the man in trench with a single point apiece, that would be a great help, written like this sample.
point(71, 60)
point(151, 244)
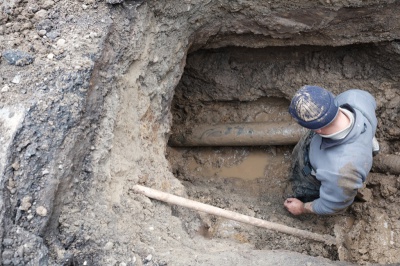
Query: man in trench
point(332, 160)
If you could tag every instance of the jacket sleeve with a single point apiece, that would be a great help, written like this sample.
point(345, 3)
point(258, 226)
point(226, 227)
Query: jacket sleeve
point(337, 190)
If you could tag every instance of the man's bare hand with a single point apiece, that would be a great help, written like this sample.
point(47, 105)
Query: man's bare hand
point(294, 206)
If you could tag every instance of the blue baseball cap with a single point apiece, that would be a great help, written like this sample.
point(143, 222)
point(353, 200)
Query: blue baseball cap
point(313, 107)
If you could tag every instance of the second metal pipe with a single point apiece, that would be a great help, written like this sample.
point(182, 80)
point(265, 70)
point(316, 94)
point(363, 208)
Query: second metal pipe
point(240, 134)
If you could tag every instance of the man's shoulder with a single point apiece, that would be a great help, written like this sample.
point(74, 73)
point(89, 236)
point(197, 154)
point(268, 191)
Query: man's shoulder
point(353, 94)
point(362, 101)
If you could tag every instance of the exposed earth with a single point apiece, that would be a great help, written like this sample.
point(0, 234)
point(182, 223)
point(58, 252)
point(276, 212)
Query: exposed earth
point(92, 93)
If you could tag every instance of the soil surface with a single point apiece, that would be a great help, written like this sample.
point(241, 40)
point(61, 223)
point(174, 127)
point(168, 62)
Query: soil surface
point(91, 91)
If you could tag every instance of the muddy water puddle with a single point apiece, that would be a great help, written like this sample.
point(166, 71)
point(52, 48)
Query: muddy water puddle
point(249, 165)
point(244, 165)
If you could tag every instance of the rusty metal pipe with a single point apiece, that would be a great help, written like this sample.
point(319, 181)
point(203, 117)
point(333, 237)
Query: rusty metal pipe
point(240, 134)
point(387, 163)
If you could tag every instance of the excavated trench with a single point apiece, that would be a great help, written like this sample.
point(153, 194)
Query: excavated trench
point(102, 88)
point(225, 91)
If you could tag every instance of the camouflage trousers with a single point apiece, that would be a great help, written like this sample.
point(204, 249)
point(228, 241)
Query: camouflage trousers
point(304, 184)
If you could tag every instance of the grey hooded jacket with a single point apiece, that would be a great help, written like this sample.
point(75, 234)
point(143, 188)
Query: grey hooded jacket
point(343, 165)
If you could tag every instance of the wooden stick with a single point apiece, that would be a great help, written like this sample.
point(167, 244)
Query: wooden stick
point(169, 198)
